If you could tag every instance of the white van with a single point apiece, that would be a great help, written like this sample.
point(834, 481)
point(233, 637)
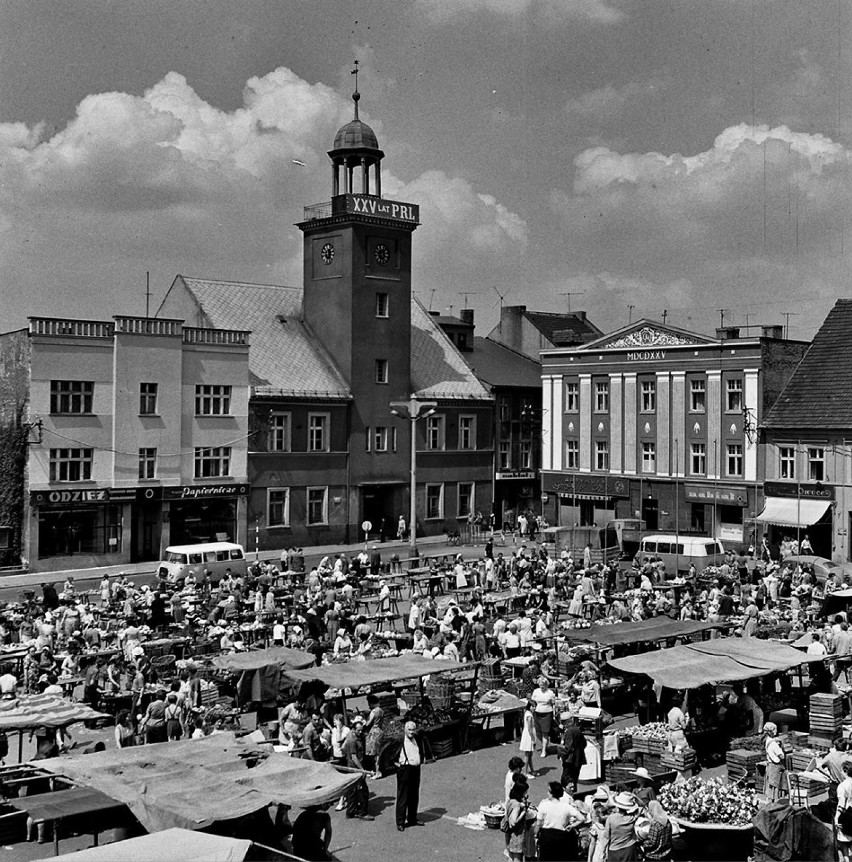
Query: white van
point(678, 552)
point(216, 557)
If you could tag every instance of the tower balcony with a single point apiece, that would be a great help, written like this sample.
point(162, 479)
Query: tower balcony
point(367, 205)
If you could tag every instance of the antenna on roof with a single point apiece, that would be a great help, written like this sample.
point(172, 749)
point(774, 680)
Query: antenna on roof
point(569, 294)
point(721, 318)
point(431, 298)
point(787, 315)
point(665, 315)
point(502, 297)
point(147, 294)
point(466, 294)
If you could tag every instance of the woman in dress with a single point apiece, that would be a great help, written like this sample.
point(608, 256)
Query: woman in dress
point(125, 734)
point(844, 802)
point(528, 738)
point(590, 690)
point(775, 758)
point(374, 730)
point(544, 699)
point(575, 607)
point(521, 844)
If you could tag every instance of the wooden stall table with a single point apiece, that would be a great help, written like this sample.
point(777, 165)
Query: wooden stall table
point(517, 665)
point(84, 807)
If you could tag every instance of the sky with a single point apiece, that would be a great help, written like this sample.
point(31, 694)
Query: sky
point(686, 160)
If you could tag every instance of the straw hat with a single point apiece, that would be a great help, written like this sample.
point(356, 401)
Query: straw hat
point(601, 795)
point(625, 801)
point(641, 772)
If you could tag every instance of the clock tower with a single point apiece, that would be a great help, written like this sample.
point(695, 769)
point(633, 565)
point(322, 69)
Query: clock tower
point(357, 296)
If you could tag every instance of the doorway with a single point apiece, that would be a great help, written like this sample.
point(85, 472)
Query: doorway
point(651, 514)
point(378, 506)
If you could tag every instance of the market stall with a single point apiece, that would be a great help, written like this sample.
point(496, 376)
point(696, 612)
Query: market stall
point(260, 671)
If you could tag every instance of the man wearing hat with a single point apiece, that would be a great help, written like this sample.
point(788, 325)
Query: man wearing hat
point(357, 800)
point(619, 838)
point(572, 752)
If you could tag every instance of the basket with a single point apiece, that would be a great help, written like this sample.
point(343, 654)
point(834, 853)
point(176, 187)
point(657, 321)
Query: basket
point(492, 820)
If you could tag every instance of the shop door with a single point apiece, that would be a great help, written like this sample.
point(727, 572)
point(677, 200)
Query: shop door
point(651, 514)
point(377, 508)
point(697, 520)
point(587, 513)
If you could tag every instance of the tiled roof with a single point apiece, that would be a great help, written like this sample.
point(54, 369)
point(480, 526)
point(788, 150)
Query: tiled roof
point(283, 355)
point(498, 365)
point(817, 395)
point(571, 328)
point(437, 367)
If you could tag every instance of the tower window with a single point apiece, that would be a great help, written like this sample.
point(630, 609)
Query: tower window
point(382, 305)
point(381, 371)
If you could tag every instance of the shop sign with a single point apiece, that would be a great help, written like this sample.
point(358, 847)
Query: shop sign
point(731, 532)
point(737, 496)
point(69, 497)
point(204, 492)
point(591, 487)
point(815, 491)
point(369, 205)
point(515, 474)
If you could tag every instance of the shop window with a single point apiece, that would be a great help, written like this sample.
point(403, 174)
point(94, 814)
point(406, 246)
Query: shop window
point(211, 400)
point(148, 399)
point(213, 462)
point(434, 501)
point(278, 507)
point(65, 532)
point(317, 506)
point(71, 396)
point(70, 465)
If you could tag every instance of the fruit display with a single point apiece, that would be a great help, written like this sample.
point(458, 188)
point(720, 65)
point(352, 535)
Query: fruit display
point(710, 801)
point(653, 730)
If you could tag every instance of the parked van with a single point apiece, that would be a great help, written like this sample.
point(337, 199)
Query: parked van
point(216, 557)
point(678, 552)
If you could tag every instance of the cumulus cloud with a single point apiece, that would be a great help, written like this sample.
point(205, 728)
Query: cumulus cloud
point(598, 11)
point(761, 215)
point(169, 183)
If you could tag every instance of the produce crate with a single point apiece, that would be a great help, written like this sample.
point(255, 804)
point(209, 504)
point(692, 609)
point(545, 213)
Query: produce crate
point(648, 745)
point(442, 747)
point(681, 760)
point(807, 789)
point(821, 743)
point(799, 760)
point(617, 772)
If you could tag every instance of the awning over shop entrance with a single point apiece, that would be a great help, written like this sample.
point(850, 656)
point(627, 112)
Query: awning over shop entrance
point(790, 512)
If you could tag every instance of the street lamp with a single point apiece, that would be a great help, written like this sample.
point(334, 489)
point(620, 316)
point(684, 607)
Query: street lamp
point(412, 411)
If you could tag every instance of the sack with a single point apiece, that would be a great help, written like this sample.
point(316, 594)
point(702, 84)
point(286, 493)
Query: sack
point(504, 824)
point(844, 820)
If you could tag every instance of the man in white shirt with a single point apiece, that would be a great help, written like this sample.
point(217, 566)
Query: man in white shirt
point(8, 684)
point(555, 824)
point(415, 616)
point(816, 647)
point(408, 778)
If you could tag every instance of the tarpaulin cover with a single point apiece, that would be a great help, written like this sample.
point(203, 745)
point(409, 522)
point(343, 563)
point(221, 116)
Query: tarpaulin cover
point(654, 629)
point(786, 834)
point(835, 602)
point(66, 803)
point(194, 783)
point(723, 660)
point(356, 674)
point(43, 710)
point(790, 512)
point(260, 670)
point(170, 845)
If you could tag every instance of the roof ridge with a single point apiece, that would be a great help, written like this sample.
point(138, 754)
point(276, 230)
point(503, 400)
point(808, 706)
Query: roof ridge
point(188, 278)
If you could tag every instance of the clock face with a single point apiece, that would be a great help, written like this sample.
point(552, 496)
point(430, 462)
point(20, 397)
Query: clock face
point(327, 253)
point(382, 255)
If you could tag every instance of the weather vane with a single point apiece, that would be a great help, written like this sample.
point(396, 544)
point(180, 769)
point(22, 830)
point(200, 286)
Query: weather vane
point(356, 95)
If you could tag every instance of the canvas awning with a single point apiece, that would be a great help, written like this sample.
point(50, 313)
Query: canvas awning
point(835, 602)
point(167, 846)
point(356, 674)
point(261, 670)
point(194, 783)
point(43, 710)
point(645, 631)
point(792, 512)
point(722, 660)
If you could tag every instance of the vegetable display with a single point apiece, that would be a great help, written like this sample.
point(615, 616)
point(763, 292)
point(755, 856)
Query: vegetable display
point(710, 801)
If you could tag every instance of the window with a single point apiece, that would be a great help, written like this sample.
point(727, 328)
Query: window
point(525, 455)
point(601, 455)
point(381, 305)
point(212, 400)
point(699, 459)
point(381, 371)
point(147, 463)
point(70, 465)
point(601, 397)
point(649, 457)
point(147, 399)
point(278, 507)
point(278, 433)
point(505, 410)
point(393, 439)
point(787, 462)
point(380, 438)
point(505, 455)
point(697, 396)
point(435, 432)
point(467, 432)
point(734, 401)
point(317, 506)
point(816, 463)
point(735, 459)
point(212, 462)
point(465, 499)
point(572, 396)
point(434, 501)
point(572, 454)
point(317, 432)
point(71, 396)
point(649, 396)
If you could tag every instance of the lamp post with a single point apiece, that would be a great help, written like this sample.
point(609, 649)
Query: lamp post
point(413, 410)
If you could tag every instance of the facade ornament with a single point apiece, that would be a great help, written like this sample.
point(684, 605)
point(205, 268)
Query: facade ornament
point(600, 426)
point(649, 336)
point(647, 427)
point(571, 427)
point(733, 427)
point(696, 428)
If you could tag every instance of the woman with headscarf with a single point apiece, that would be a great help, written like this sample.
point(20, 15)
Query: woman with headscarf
point(654, 831)
point(751, 621)
point(775, 760)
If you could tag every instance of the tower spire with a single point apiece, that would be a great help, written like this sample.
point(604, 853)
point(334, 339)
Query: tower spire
point(356, 96)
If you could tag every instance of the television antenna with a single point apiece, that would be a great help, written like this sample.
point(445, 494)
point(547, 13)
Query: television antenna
point(569, 294)
point(466, 294)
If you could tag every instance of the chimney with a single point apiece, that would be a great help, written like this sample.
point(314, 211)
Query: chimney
point(727, 333)
point(466, 314)
point(580, 315)
point(774, 331)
